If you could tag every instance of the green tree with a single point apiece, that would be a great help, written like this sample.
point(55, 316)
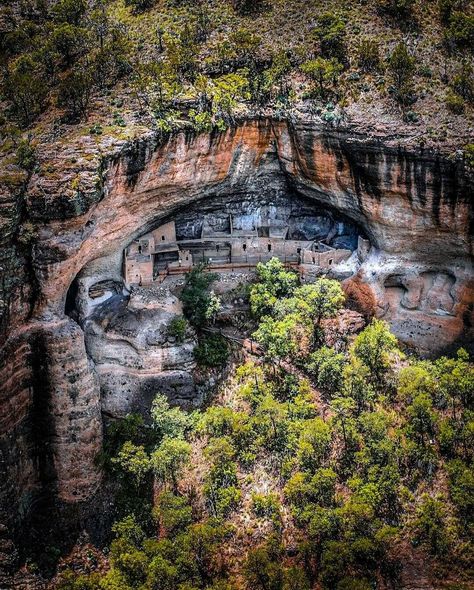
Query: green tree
point(263, 570)
point(274, 283)
point(330, 32)
point(129, 530)
point(327, 367)
point(69, 11)
point(195, 295)
point(74, 93)
point(356, 384)
point(368, 55)
point(430, 524)
point(460, 31)
point(343, 408)
point(133, 460)
point(248, 6)
point(173, 513)
point(201, 548)
point(322, 72)
point(456, 381)
point(140, 5)
point(168, 422)
point(177, 328)
point(278, 338)
point(162, 574)
point(401, 66)
point(421, 418)
point(226, 91)
point(461, 489)
point(25, 88)
point(169, 459)
point(373, 346)
point(397, 8)
point(69, 42)
point(313, 444)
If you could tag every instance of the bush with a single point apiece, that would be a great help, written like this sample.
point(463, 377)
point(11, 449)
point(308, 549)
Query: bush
point(469, 154)
point(140, 5)
point(454, 103)
point(460, 32)
point(26, 89)
point(368, 55)
point(173, 513)
point(212, 351)
point(247, 6)
point(430, 525)
point(396, 8)
point(330, 32)
point(74, 93)
point(463, 81)
point(401, 66)
point(326, 365)
point(177, 328)
point(265, 505)
point(26, 155)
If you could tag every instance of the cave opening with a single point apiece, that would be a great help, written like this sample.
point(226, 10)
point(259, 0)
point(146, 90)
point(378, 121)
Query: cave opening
point(71, 298)
point(239, 229)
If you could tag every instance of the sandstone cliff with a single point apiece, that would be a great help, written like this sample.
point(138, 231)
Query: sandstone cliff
point(415, 207)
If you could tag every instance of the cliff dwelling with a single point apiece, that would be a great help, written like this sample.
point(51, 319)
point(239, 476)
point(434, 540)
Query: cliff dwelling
point(229, 236)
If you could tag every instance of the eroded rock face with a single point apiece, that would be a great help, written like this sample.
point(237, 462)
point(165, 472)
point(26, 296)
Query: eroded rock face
point(134, 355)
point(415, 208)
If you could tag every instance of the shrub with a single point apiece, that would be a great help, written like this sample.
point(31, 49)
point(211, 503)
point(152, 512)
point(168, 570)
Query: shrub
point(323, 73)
point(265, 505)
point(173, 513)
point(25, 87)
point(74, 93)
point(460, 31)
point(430, 525)
point(248, 6)
point(26, 155)
point(177, 328)
point(326, 365)
point(167, 421)
point(373, 347)
point(330, 32)
point(169, 459)
point(469, 154)
point(212, 351)
point(461, 488)
point(454, 103)
point(368, 55)
point(134, 461)
point(401, 66)
point(447, 7)
point(140, 5)
point(396, 8)
point(463, 81)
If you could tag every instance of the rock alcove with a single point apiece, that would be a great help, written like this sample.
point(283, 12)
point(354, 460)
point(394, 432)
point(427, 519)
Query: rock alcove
point(414, 208)
point(125, 321)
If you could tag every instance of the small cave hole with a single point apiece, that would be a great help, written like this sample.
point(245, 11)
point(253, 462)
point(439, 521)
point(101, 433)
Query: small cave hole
point(71, 297)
